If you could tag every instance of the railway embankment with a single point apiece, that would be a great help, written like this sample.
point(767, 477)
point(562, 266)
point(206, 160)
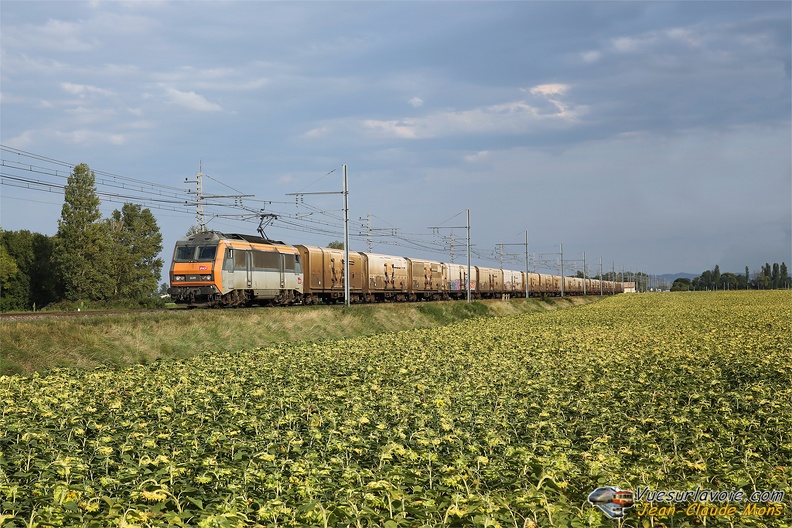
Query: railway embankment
point(123, 339)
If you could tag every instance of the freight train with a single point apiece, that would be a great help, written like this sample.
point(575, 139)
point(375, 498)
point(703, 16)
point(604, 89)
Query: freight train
point(213, 269)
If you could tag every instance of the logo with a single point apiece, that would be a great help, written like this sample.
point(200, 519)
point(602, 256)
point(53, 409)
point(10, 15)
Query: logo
point(201, 268)
point(612, 500)
point(299, 280)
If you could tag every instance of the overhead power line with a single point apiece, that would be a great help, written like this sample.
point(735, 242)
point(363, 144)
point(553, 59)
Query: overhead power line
point(38, 173)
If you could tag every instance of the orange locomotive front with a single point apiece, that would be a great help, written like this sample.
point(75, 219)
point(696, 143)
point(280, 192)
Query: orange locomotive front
point(193, 278)
point(214, 269)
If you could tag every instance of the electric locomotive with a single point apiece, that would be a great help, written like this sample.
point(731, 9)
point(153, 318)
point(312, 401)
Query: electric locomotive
point(216, 270)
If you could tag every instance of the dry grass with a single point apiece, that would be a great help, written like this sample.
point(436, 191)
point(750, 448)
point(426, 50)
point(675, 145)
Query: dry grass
point(37, 345)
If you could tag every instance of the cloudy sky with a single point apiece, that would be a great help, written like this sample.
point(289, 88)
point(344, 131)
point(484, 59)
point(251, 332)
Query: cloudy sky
point(653, 135)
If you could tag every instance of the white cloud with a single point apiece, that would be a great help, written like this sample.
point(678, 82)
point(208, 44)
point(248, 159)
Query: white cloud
point(318, 132)
point(22, 140)
point(400, 128)
point(549, 89)
point(191, 100)
point(650, 39)
point(683, 35)
point(91, 137)
point(416, 102)
point(84, 89)
point(478, 156)
point(625, 44)
point(214, 79)
point(506, 118)
point(512, 117)
point(591, 56)
point(53, 35)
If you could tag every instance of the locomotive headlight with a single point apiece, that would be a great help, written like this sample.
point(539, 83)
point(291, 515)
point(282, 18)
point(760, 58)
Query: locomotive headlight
point(178, 278)
point(206, 277)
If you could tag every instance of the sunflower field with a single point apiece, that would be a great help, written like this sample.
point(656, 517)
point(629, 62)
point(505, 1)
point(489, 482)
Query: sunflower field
point(508, 421)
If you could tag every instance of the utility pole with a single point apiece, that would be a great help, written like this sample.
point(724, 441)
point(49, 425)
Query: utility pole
point(369, 242)
point(346, 238)
point(562, 269)
point(467, 227)
point(200, 215)
point(199, 197)
point(527, 280)
point(345, 193)
point(370, 232)
point(468, 255)
point(601, 277)
point(584, 273)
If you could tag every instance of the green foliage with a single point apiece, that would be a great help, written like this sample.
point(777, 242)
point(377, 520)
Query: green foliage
point(88, 261)
point(770, 277)
point(33, 285)
point(508, 421)
point(680, 284)
point(135, 245)
point(82, 243)
point(8, 267)
point(336, 245)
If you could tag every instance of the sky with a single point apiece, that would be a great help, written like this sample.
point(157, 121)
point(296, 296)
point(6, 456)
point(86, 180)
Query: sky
point(651, 136)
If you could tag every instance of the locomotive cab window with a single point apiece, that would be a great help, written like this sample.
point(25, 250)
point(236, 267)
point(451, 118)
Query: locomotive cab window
point(207, 252)
point(194, 253)
point(184, 253)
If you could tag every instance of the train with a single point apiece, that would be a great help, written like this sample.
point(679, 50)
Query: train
point(214, 269)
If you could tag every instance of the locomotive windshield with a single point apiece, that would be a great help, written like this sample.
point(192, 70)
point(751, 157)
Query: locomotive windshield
point(194, 253)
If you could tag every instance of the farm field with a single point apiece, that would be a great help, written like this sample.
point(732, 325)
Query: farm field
point(508, 421)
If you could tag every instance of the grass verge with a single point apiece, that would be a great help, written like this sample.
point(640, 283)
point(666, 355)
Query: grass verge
point(37, 345)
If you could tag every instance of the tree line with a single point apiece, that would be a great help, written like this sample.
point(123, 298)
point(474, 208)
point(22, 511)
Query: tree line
point(90, 260)
point(768, 278)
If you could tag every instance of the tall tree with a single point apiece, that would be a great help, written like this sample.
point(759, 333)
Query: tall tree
point(34, 284)
point(706, 279)
point(82, 242)
point(728, 281)
point(135, 245)
point(784, 276)
point(8, 270)
point(767, 270)
point(747, 278)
